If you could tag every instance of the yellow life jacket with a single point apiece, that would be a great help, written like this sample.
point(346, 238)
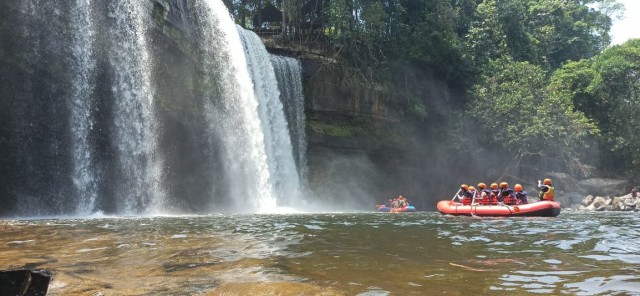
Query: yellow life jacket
point(550, 194)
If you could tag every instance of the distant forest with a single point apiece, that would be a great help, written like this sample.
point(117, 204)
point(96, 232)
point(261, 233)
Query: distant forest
point(536, 80)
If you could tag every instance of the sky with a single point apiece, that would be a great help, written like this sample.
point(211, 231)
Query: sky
point(629, 26)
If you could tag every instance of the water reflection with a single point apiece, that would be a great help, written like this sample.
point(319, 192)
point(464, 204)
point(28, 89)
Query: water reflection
point(331, 254)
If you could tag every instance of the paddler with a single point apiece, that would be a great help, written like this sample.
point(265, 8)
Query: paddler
point(506, 194)
point(485, 193)
point(521, 195)
point(547, 192)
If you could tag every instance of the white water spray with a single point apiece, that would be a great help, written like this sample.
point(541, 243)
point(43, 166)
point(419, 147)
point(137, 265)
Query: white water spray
point(289, 74)
point(135, 138)
point(277, 141)
point(82, 103)
point(236, 118)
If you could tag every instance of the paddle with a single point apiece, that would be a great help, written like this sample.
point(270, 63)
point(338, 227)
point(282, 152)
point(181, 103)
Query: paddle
point(456, 195)
point(473, 203)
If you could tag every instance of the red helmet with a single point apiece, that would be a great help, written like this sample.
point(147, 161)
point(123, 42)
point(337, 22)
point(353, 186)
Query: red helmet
point(518, 187)
point(504, 185)
point(547, 182)
point(494, 186)
point(464, 187)
point(482, 186)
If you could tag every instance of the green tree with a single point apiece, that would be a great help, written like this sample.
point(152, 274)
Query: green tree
point(617, 86)
point(515, 106)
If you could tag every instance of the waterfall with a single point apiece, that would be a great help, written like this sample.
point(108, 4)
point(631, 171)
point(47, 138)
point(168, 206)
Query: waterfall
point(139, 165)
point(232, 110)
point(96, 119)
point(289, 74)
point(82, 105)
point(277, 141)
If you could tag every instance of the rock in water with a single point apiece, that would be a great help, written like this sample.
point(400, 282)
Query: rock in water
point(24, 282)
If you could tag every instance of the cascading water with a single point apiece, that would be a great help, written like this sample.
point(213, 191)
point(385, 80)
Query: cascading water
point(95, 121)
point(82, 106)
point(232, 110)
point(277, 141)
point(289, 74)
point(135, 127)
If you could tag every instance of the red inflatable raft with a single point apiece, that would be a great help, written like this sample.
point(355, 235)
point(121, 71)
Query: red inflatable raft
point(536, 209)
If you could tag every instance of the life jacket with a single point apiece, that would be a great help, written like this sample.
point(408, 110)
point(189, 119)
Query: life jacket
point(493, 196)
point(509, 196)
point(550, 194)
point(522, 197)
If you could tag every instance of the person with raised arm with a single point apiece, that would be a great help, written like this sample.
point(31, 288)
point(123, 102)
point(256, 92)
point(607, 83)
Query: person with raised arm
point(547, 192)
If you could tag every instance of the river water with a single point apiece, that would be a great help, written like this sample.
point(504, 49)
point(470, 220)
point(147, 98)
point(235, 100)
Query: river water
point(424, 253)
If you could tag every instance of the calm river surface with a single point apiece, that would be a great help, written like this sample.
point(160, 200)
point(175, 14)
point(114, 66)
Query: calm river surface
point(331, 254)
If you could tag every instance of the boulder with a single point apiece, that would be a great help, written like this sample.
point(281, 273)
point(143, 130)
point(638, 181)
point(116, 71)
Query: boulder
point(587, 200)
point(598, 204)
point(24, 282)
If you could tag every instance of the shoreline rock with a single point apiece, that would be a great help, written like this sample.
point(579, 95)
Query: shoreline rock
point(24, 282)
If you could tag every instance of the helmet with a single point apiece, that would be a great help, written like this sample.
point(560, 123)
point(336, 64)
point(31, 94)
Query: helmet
point(464, 187)
point(547, 182)
point(518, 187)
point(494, 186)
point(482, 186)
point(504, 185)
point(471, 188)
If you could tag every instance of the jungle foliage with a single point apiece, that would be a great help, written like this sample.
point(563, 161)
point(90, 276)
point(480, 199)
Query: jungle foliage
point(537, 77)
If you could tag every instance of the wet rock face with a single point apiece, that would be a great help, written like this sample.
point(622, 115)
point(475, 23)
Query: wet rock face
point(24, 282)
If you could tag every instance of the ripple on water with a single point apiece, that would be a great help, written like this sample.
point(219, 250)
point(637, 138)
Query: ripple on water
point(17, 243)
point(600, 285)
point(374, 291)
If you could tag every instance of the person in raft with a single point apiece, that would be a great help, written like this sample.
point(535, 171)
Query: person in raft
point(547, 192)
point(473, 194)
point(495, 192)
point(402, 202)
point(521, 196)
point(485, 194)
point(463, 195)
point(506, 194)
